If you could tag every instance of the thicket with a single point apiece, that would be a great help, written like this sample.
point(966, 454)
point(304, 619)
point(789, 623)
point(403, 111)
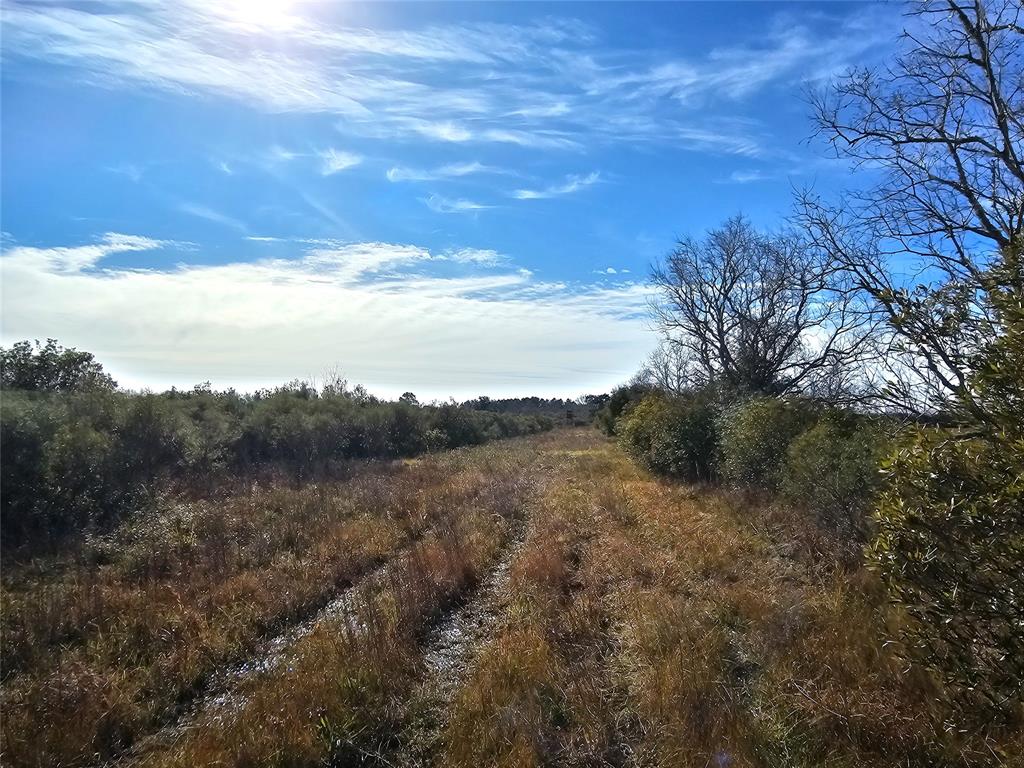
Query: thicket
point(672, 436)
point(77, 453)
point(821, 459)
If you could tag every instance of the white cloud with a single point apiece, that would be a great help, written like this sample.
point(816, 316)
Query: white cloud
point(480, 256)
point(130, 170)
point(378, 311)
point(77, 258)
point(746, 177)
point(334, 160)
point(554, 85)
point(572, 184)
point(209, 214)
point(446, 131)
point(440, 204)
point(452, 170)
point(280, 154)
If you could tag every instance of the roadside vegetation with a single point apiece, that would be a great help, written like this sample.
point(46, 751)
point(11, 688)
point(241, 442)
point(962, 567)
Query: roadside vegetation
point(802, 369)
point(636, 621)
point(81, 455)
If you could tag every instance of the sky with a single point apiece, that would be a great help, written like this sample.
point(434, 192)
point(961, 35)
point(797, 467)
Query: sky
point(450, 198)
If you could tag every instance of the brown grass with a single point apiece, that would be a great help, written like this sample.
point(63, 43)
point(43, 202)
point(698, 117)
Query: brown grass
point(642, 623)
point(102, 645)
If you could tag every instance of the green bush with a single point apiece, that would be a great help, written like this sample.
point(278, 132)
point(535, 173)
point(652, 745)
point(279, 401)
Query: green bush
point(622, 400)
point(25, 432)
point(832, 470)
point(754, 438)
point(950, 547)
point(88, 457)
point(671, 436)
point(950, 540)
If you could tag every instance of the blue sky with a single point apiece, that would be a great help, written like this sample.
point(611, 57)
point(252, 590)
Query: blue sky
point(451, 198)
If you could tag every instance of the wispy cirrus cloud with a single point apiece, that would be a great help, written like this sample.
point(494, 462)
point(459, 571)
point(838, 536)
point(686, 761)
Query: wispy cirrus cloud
point(440, 204)
point(480, 256)
point(392, 316)
point(278, 154)
point(549, 85)
point(450, 171)
point(209, 214)
point(572, 183)
point(335, 160)
point(131, 171)
point(747, 177)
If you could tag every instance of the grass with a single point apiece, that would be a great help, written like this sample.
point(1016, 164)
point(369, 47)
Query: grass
point(642, 623)
point(103, 644)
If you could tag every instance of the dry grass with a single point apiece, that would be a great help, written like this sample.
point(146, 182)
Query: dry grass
point(102, 645)
point(659, 625)
point(641, 624)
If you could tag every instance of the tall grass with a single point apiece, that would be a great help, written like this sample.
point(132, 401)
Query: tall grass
point(642, 623)
point(102, 645)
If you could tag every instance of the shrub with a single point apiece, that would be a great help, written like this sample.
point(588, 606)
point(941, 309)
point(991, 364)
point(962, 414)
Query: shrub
point(950, 537)
point(671, 436)
point(25, 430)
point(832, 470)
point(622, 400)
point(950, 546)
point(77, 454)
point(754, 437)
point(462, 427)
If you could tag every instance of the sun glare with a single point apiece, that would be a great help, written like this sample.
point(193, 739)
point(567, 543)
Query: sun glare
point(263, 14)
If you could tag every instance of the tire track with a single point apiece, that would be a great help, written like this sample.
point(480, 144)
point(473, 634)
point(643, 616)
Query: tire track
point(449, 650)
point(224, 691)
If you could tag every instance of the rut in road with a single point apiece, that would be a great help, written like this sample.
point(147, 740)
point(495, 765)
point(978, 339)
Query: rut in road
point(449, 650)
point(225, 692)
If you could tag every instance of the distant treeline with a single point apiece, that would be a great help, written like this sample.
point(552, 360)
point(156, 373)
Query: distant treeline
point(579, 412)
point(78, 453)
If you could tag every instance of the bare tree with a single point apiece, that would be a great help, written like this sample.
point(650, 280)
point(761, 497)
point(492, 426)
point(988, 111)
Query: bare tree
point(944, 125)
point(667, 368)
point(757, 312)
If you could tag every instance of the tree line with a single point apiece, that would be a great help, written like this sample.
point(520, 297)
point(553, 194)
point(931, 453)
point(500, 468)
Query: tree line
point(866, 361)
point(79, 454)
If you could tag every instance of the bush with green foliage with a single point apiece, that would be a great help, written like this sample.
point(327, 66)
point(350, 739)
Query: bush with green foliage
point(832, 470)
point(754, 437)
point(950, 548)
point(950, 543)
point(79, 454)
point(619, 404)
point(671, 435)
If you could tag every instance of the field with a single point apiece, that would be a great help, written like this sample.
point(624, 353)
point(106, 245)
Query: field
point(535, 601)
